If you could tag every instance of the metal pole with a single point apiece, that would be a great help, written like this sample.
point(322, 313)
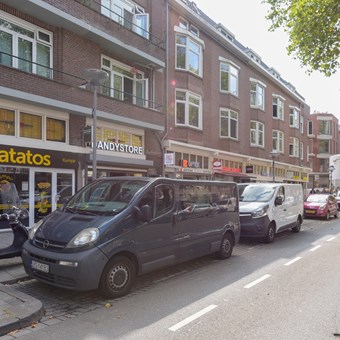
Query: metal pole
point(94, 135)
point(273, 170)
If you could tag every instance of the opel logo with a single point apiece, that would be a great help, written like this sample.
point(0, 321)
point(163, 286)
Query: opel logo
point(46, 244)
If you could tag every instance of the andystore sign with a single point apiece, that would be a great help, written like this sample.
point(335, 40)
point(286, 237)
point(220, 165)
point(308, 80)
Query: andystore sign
point(110, 146)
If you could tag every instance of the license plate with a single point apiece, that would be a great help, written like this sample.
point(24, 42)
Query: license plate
point(310, 211)
point(40, 266)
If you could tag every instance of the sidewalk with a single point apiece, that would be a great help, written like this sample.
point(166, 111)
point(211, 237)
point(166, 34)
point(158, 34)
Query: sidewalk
point(17, 310)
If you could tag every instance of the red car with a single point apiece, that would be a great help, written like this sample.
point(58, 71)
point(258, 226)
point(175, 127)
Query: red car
point(320, 205)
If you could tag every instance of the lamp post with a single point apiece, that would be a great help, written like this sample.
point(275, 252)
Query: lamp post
point(331, 169)
point(274, 154)
point(95, 77)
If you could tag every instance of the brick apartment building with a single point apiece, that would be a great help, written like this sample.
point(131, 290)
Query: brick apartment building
point(229, 115)
point(183, 98)
point(323, 130)
point(46, 100)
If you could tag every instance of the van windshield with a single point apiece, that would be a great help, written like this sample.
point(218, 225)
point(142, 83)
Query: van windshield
point(106, 197)
point(255, 193)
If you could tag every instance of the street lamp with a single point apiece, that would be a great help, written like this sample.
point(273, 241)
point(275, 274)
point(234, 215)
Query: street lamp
point(274, 154)
point(96, 78)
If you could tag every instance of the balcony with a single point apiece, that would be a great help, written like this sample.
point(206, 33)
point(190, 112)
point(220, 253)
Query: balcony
point(37, 84)
point(84, 18)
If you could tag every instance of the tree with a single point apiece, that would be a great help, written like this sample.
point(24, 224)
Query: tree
point(313, 27)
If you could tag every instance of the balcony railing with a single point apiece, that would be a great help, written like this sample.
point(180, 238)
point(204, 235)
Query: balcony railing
point(73, 80)
point(129, 24)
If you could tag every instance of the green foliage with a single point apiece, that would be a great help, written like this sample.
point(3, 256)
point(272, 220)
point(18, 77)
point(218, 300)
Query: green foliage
point(313, 27)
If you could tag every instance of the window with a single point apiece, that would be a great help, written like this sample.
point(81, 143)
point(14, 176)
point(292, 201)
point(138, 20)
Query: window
point(188, 109)
point(294, 117)
point(55, 130)
point(188, 54)
point(228, 124)
point(301, 123)
point(310, 127)
point(257, 94)
point(35, 126)
point(30, 126)
point(123, 84)
point(278, 141)
point(324, 146)
point(7, 122)
point(116, 135)
point(293, 147)
point(128, 14)
point(278, 107)
point(25, 46)
point(324, 127)
point(301, 151)
point(256, 134)
point(229, 78)
point(164, 199)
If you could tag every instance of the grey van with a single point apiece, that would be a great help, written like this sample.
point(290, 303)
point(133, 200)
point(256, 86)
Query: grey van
point(116, 228)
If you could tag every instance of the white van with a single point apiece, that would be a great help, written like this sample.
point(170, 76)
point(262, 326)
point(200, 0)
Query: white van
point(269, 208)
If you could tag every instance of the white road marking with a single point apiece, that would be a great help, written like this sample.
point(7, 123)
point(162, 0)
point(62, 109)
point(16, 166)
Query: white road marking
point(251, 284)
point(331, 239)
point(315, 248)
point(292, 261)
point(191, 318)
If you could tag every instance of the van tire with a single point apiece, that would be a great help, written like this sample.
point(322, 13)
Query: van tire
point(297, 227)
point(118, 277)
point(226, 247)
point(269, 238)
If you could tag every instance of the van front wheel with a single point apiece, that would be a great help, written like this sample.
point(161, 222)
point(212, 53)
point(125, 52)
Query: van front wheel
point(297, 227)
point(117, 278)
point(269, 238)
point(226, 247)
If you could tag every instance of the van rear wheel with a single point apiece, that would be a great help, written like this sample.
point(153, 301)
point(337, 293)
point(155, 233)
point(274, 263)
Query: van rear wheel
point(226, 247)
point(297, 227)
point(269, 238)
point(118, 277)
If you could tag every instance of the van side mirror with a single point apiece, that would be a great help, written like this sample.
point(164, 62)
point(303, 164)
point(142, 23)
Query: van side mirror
point(144, 213)
point(278, 201)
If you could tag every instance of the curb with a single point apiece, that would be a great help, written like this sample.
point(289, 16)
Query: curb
point(17, 310)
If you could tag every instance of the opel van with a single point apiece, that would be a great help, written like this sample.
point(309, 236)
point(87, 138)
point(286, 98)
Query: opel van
point(269, 208)
point(116, 228)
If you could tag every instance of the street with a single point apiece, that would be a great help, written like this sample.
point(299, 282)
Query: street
point(284, 290)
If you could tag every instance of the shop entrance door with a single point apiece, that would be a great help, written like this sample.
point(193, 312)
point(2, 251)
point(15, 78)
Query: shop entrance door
point(49, 190)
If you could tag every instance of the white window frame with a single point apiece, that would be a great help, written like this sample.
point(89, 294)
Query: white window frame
point(35, 41)
point(226, 114)
point(187, 104)
point(278, 141)
point(190, 40)
point(256, 133)
point(257, 99)
point(137, 79)
point(327, 127)
point(301, 124)
point(294, 117)
point(114, 9)
point(301, 151)
point(233, 74)
point(294, 147)
point(279, 102)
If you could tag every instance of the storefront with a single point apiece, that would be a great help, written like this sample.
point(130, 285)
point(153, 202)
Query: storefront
point(36, 179)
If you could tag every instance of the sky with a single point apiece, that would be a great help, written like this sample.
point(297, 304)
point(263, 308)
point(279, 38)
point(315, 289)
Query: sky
point(246, 20)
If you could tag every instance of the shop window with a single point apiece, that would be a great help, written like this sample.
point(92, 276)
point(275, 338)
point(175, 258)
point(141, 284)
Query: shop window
point(7, 122)
point(55, 130)
point(137, 140)
point(30, 126)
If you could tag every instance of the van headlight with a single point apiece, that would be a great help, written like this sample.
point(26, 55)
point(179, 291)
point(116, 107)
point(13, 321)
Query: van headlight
point(260, 212)
point(84, 237)
point(34, 229)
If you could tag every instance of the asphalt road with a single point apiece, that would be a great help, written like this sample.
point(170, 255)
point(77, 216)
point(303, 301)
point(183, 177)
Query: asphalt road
point(285, 290)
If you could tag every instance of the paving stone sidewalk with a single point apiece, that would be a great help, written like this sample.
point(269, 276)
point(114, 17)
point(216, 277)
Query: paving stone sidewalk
point(17, 310)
